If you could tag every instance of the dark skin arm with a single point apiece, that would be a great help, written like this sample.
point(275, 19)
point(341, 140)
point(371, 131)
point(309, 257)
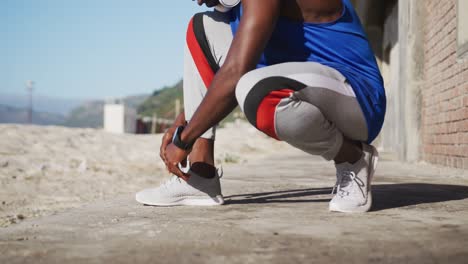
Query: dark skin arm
point(257, 24)
point(254, 31)
point(258, 21)
point(167, 138)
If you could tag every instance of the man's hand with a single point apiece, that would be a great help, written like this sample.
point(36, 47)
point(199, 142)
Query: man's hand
point(208, 3)
point(172, 157)
point(169, 153)
point(167, 138)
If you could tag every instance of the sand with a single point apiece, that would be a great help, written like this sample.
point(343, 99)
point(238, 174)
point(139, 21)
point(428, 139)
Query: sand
point(47, 169)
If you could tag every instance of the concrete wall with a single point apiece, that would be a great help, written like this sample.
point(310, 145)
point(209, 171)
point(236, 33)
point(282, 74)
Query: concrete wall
point(425, 68)
point(391, 140)
point(411, 24)
point(402, 70)
point(462, 28)
point(444, 108)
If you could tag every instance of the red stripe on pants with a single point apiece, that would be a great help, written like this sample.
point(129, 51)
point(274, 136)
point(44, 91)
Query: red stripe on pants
point(198, 56)
point(266, 111)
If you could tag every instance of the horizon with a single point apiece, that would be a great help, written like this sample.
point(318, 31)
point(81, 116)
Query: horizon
point(90, 50)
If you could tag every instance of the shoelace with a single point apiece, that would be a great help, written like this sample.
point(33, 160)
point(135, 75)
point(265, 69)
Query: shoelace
point(171, 181)
point(339, 178)
point(344, 179)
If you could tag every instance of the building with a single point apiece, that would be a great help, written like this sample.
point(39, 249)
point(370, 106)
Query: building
point(422, 49)
point(119, 118)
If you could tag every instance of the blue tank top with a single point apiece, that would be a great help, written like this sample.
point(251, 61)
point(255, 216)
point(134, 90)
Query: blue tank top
point(342, 45)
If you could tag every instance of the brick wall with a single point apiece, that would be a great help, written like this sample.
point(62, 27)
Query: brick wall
point(444, 116)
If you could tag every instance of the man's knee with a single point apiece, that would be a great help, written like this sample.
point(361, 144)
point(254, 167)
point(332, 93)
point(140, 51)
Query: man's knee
point(248, 96)
point(258, 95)
point(195, 30)
point(244, 85)
point(203, 23)
point(196, 23)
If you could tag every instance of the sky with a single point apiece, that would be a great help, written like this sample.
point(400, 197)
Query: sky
point(92, 49)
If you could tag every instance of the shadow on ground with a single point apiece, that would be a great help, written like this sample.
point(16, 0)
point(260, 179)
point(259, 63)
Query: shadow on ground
point(279, 196)
point(386, 196)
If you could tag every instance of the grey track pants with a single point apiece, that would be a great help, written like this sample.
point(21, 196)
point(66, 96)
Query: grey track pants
point(306, 104)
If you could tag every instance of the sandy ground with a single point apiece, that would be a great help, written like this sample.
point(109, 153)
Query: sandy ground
point(276, 211)
point(44, 170)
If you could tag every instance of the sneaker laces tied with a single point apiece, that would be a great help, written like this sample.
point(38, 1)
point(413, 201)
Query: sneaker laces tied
point(345, 178)
point(339, 177)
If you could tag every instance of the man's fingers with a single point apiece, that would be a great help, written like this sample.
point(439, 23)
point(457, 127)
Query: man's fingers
point(177, 171)
point(162, 153)
point(174, 168)
point(166, 139)
point(184, 163)
point(172, 155)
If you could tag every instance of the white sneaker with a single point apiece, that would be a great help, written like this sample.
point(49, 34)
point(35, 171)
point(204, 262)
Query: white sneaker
point(353, 183)
point(196, 191)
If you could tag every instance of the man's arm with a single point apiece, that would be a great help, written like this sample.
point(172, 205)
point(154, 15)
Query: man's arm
point(257, 23)
point(167, 138)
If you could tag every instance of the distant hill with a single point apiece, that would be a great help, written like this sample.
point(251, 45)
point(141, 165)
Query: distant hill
point(10, 114)
point(42, 103)
point(90, 114)
point(162, 103)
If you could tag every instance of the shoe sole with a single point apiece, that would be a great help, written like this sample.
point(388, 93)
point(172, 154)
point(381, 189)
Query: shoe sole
point(191, 201)
point(367, 206)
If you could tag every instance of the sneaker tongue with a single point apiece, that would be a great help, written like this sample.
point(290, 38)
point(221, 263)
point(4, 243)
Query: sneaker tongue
point(345, 180)
point(343, 166)
point(343, 171)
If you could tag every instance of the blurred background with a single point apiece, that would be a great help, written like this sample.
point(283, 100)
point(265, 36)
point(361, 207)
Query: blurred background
point(117, 65)
point(86, 87)
point(74, 56)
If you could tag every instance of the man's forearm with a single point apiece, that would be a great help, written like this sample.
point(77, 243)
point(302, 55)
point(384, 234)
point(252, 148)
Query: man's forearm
point(254, 31)
point(180, 119)
point(218, 102)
